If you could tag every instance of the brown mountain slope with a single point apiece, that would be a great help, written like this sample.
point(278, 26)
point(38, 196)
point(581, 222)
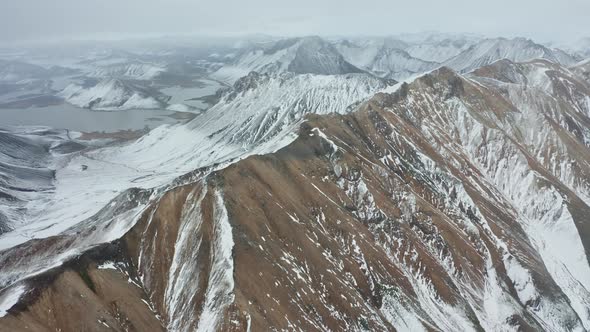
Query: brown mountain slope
point(453, 204)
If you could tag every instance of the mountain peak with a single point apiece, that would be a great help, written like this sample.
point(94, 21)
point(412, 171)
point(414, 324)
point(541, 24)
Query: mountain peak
point(316, 56)
point(384, 57)
point(518, 49)
point(303, 55)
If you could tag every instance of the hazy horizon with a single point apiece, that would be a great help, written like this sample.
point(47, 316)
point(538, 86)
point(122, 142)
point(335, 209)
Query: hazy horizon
point(38, 20)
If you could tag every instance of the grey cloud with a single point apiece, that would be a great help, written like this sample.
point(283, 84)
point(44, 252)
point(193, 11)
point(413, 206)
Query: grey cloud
point(42, 19)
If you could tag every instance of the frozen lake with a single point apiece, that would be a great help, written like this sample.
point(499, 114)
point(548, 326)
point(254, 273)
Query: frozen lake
point(67, 116)
point(181, 95)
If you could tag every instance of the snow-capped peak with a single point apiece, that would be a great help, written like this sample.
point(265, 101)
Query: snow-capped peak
point(306, 55)
point(113, 94)
point(516, 49)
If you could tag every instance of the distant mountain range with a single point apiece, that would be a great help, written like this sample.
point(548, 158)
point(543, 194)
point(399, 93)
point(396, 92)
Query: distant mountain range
point(141, 73)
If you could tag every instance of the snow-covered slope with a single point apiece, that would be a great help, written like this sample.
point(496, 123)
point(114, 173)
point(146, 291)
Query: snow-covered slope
point(439, 50)
point(518, 49)
point(362, 52)
point(579, 47)
point(102, 192)
point(583, 69)
point(398, 64)
point(28, 157)
point(261, 106)
point(113, 95)
point(583, 47)
point(383, 57)
point(16, 71)
point(429, 47)
point(307, 55)
point(129, 70)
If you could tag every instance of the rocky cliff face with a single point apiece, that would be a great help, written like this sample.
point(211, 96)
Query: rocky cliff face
point(454, 203)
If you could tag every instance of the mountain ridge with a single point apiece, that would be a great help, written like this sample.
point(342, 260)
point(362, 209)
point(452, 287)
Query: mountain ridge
point(305, 55)
point(516, 49)
point(403, 204)
point(314, 201)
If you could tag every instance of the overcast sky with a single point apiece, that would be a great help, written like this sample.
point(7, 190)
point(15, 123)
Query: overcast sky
point(542, 20)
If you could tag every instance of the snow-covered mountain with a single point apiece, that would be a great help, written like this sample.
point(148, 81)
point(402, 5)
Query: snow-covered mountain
point(129, 70)
point(262, 106)
point(583, 69)
point(383, 57)
point(314, 196)
point(436, 50)
point(428, 46)
point(579, 47)
point(518, 49)
point(113, 95)
point(582, 47)
point(307, 55)
point(27, 163)
point(16, 71)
